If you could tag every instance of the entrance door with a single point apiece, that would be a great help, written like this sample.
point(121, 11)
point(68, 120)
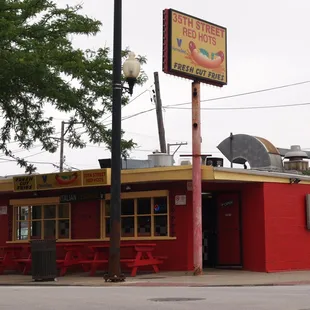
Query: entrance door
point(229, 247)
point(209, 230)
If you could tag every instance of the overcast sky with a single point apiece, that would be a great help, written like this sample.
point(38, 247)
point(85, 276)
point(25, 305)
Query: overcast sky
point(268, 46)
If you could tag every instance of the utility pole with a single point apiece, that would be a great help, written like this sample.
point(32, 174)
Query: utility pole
point(159, 113)
point(196, 177)
point(175, 144)
point(62, 141)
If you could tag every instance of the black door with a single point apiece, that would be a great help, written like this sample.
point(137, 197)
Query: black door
point(209, 230)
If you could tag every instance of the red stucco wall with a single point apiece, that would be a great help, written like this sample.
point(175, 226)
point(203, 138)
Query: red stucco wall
point(5, 222)
point(85, 223)
point(287, 240)
point(253, 227)
point(274, 235)
point(85, 220)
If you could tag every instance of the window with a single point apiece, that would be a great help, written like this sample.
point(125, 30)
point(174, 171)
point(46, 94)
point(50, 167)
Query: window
point(143, 215)
point(42, 222)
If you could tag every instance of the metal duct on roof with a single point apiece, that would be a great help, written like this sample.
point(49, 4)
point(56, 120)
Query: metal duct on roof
point(258, 152)
point(296, 152)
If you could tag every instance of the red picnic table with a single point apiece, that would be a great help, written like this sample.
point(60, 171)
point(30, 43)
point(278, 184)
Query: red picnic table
point(73, 253)
point(143, 256)
point(11, 255)
point(76, 254)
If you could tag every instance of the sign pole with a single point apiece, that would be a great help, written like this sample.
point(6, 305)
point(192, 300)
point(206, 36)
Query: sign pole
point(196, 178)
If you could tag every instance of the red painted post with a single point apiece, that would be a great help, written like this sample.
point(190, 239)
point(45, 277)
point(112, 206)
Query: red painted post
point(196, 178)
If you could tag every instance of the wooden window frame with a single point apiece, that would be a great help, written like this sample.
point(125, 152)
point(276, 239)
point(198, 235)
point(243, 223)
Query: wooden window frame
point(135, 196)
point(42, 203)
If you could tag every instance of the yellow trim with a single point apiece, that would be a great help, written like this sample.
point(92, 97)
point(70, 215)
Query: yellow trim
point(152, 216)
point(102, 225)
point(6, 185)
point(34, 201)
point(235, 176)
point(184, 173)
point(142, 238)
point(103, 239)
point(175, 173)
point(135, 219)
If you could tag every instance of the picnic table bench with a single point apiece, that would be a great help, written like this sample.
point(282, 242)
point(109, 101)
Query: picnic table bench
point(143, 257)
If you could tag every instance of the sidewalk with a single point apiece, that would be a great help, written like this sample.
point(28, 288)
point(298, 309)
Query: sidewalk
point(210, 278)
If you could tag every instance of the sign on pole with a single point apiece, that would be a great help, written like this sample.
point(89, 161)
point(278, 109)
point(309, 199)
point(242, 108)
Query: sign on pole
point(194, 48)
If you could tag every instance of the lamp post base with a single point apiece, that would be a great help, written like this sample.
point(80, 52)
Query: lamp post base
point(115, 278)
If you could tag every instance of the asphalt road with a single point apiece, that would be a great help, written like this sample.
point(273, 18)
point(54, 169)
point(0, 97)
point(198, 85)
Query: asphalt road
point(106, 298)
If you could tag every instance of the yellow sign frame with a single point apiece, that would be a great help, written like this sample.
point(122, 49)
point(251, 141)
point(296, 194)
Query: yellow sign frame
point(194, 48)
point(63, 180)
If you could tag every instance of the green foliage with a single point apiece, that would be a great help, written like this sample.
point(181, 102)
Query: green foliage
point(41, 68)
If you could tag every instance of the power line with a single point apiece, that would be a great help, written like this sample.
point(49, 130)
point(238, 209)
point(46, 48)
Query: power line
point(137, 114)
point(242, 94)
point(132, 100)
point(35, 154)
point(130, 116)
point(22, 150)
point(246, 108)
point(31, 162)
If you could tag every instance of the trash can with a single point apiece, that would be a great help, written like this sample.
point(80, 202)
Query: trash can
point(44, 266)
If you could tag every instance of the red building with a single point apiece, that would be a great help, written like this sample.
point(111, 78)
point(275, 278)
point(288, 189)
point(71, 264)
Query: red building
point(251, 219)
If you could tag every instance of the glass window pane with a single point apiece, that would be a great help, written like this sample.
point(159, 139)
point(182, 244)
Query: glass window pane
point(161, 225)
point(144, 205)
point(128, 206)
point(107, 208)
point(160, 205)
point(49, 229)
point(128, 227)
point(49, 212)
point(144, 226)
point(107, 227)
point(22, 231)
point(36, 212)
point(36, 230)
point(63, 211)
point(63, 229)
point(22, 213)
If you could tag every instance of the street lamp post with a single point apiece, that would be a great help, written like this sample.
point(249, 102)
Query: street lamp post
point(131, 72)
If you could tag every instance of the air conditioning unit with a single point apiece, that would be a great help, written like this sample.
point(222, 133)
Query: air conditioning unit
point(185, 163)
point(214, 161)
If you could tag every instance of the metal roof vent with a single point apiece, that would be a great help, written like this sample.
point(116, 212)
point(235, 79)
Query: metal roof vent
point(160, 159)
point(296, 160)
point(296, 153)
point(258, 152)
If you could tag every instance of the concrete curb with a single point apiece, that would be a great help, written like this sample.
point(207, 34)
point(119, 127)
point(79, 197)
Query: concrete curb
point(40, 284)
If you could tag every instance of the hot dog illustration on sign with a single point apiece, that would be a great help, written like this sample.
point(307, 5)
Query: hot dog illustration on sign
point(66, 179)
point(202, 57)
